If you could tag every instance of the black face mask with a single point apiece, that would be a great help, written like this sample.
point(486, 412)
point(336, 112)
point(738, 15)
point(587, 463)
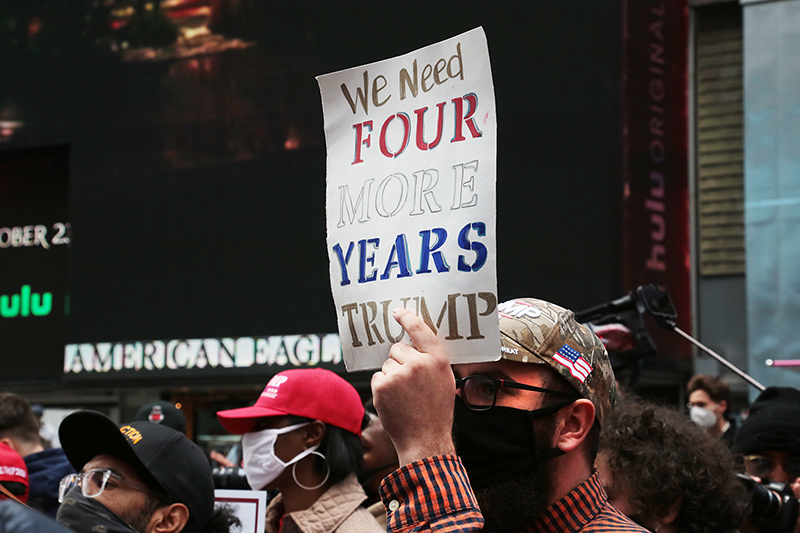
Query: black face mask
point(498, 443)
point(82, 514)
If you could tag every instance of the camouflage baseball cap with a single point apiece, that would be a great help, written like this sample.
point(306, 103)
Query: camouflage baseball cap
point(535, 331)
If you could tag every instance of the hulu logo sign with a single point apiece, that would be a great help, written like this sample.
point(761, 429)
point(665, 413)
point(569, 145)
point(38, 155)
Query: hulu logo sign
point(25, 303)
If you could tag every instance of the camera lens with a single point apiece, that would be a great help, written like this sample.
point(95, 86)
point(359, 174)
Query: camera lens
point(766, 503)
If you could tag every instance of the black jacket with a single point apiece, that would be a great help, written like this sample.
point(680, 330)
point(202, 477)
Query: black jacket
point(16, 518)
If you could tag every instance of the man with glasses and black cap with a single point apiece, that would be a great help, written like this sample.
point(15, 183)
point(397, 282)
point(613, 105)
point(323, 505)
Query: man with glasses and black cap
point(139, 477)
point(770, 438)
point(526, 428)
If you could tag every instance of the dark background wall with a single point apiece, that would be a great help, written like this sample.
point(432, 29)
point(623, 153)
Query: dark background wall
point(197, 165)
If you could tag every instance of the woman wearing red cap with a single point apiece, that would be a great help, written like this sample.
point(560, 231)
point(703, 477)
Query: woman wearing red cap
point(303, 437)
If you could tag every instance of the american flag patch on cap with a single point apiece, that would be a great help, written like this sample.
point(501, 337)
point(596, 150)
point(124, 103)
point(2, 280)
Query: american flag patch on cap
point(577, 365)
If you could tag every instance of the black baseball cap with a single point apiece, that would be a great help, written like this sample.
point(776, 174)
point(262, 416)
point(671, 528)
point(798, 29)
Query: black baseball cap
point(165, 459)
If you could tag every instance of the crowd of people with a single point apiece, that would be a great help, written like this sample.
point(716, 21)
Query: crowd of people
point(538, 440)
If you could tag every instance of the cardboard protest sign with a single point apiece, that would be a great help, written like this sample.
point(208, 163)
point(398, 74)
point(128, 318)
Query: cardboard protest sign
point(411, 169)
point(249, 506)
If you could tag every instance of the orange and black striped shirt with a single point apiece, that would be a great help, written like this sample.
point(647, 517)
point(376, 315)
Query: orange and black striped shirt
point(434, 495)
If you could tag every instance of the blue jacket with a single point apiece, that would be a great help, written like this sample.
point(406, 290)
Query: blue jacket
point(45, 470)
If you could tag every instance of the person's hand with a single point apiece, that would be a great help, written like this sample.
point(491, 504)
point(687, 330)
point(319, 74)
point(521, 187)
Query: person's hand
point(221, 459)
point(795, 486)
point(414, 393)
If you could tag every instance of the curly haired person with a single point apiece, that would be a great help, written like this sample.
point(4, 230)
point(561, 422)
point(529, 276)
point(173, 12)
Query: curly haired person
point(667, 473)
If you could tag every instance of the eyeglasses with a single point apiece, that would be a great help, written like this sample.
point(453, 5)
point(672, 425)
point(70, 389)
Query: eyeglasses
point(93, 482)
point(762, 466)
point(480, 392)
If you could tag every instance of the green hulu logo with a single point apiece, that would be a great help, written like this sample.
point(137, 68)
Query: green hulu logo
point(26, 303)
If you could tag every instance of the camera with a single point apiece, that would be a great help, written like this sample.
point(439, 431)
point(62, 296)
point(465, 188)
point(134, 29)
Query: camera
point(230, 477)
point(621, 327)
point(645, 299)
point(773, 505)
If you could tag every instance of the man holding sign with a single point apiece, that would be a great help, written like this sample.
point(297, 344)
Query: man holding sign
point(526, 428)
point(410, 215)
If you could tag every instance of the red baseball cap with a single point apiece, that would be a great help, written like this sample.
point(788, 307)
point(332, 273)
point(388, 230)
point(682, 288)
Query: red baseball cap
point(312, 393)
point(13, 468)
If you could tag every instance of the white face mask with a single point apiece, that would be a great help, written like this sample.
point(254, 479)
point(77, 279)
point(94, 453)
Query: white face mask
point(702, 417)
point(261, 465)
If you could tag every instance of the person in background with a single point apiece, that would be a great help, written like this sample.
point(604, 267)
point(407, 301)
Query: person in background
point(770, 440)
point(709, 406)
point(770, 437)
point(668, 474)
point(136, 478)
point(19, 429)
point(13, 474)
point(302, 437)
point(164, 413)
point(47, 432)
point(380, 460)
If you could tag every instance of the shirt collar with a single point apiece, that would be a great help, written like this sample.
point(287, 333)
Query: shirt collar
point(575, 510)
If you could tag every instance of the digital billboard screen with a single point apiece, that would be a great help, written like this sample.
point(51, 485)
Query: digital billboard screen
point(34, 246)
point(196, 165)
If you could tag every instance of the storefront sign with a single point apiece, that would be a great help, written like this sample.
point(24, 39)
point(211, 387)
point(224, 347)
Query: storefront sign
point(287, 351)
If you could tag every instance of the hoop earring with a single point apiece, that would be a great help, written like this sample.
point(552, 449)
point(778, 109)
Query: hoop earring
point(315, 487)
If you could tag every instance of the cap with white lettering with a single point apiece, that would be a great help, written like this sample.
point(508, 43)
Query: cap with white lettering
point(166, 460)
point(536, 331)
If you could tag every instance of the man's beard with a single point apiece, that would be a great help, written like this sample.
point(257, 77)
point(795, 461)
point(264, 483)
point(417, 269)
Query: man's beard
point(141, 520)
point(503, 460)
point(514, 503)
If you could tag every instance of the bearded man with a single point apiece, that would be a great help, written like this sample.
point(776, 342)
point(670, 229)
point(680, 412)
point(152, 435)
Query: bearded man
point(526, 428)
